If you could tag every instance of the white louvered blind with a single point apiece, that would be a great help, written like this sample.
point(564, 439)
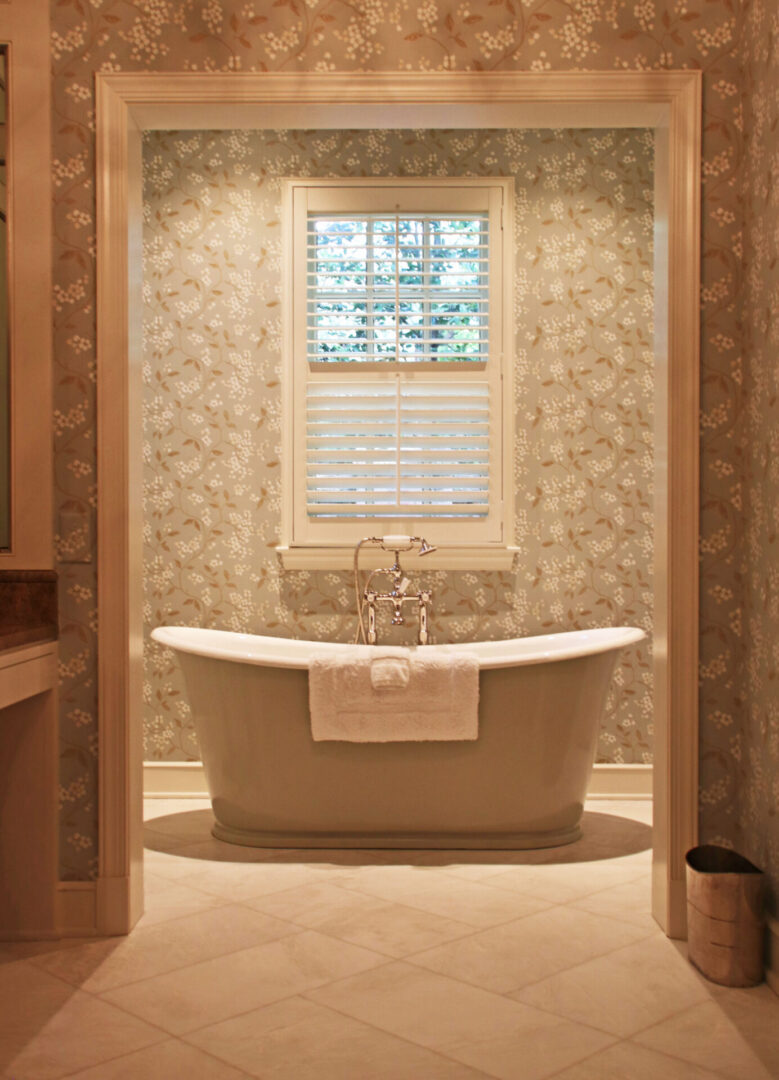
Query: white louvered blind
point(397, 449)
point(400, 287)
point(398, 290)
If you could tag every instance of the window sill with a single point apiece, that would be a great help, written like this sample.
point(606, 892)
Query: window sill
point(477, 557)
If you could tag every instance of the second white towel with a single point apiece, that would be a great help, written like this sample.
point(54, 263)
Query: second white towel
point(394, 695)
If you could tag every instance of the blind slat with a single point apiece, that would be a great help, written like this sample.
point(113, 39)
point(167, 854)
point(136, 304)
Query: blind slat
point(397, 289)
point(398, 449)
point(397, 274)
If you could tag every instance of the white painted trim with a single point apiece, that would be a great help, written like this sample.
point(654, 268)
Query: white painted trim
point(130, 102)
point(477, 557)
point(186, 780)
point(26, 29)
point(26, 671)
point(309, 537)
point(174, 780)
point(772, 953)
point(77, 908)
point(119, 900)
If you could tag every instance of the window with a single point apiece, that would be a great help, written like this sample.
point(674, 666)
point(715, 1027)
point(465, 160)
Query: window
point(397, 296)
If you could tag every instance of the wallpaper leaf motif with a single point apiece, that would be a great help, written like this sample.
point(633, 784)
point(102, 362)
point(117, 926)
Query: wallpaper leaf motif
point(583, 313)
point(176, 35)
point(753, 746)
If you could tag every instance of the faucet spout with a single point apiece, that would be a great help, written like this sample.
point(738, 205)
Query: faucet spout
point(397, 593)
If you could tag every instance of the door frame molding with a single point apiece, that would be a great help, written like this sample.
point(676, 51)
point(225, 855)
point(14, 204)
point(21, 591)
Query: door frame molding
point(127, 104)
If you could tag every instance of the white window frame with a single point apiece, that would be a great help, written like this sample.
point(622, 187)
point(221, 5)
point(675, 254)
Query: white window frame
point(479, 543)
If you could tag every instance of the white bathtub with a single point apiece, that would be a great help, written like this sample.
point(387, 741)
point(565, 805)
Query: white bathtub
point(521, 784)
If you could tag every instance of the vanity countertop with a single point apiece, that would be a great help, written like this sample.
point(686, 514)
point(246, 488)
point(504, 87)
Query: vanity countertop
point(28, 607)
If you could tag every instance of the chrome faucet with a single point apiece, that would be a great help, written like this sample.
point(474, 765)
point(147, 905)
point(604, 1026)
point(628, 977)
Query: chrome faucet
point(397, 594)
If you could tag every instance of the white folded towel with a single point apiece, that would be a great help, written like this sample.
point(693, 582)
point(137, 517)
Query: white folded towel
point(394, 695)
point(389, 672)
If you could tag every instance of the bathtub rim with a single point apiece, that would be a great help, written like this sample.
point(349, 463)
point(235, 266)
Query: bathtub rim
point(297, 653)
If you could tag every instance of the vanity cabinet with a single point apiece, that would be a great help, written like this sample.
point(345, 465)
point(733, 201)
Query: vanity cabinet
point(28, 791)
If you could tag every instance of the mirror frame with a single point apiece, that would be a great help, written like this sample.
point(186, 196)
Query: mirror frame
point(127, 104)
point(24, 28)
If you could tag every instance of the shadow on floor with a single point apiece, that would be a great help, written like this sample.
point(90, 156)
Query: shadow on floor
point(604, 836)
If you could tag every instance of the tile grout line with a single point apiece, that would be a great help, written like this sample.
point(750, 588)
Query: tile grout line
point(470, 932)
point(476, 929)
point(385, 1031)
point(507, 993)
point(115, 1057)
point(296, 931)
point(442, 1053)
point(622, 1038)
point(184, 1035)
point(581, 963)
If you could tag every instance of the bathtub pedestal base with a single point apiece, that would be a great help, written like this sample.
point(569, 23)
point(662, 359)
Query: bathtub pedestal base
point(519, 841)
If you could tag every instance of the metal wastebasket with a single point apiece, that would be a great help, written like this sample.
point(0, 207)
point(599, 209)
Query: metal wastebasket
point(725, 920)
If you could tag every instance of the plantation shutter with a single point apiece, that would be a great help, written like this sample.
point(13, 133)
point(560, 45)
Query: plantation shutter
point(397, 288)
point(397, 449)
point(397, 411)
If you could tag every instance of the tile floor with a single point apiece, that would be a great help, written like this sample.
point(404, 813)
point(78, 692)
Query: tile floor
point(355, 965)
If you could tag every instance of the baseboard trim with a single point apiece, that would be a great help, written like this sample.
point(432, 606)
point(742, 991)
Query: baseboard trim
point(186, 780)
point(77, 908)
point(620, 782)
point(772, 953)
point(117, 908)
point(174, 780)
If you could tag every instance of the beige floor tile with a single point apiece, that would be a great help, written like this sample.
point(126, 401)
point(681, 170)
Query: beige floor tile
point(211, 850)
point(606, 843)
point(630, 903)
point(29, 999)
point(118, 961)
point(628, 1061)
point(561, 882)
point(535, 1048)
point(300, 1040)
point(169, 862)
point(186, 827)
point(393, 929)
point(171, 1060)
point(13, 951)
point(506, 957)
point(622, 992)
point(706, 1036)
point(477, 1028)
point(755, 1012)
point(476, 865)
point(470, 902)
point(214, 990)
point(165, 899)
point(351, 859)
point(242, 881)
point(164, 841)
point(82, 1032)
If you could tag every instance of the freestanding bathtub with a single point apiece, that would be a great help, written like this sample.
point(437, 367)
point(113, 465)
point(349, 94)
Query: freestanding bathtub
point(521, 784)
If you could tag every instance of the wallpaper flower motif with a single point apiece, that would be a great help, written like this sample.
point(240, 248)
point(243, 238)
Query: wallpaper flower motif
point(540, 35)
point(753, 762)
point(583, 463)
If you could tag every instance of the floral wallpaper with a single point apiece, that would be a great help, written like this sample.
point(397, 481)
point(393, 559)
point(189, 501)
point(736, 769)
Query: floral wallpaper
point(583, 411)
point(322, 35)
point(754, 761)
